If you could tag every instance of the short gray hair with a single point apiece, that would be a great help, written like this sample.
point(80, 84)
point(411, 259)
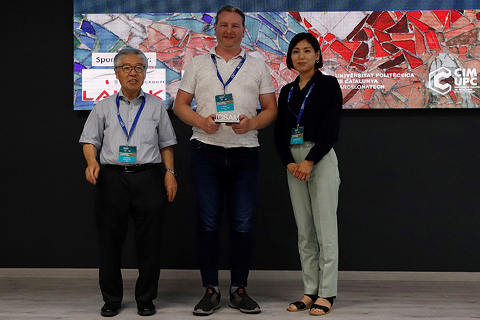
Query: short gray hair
point(125, 52)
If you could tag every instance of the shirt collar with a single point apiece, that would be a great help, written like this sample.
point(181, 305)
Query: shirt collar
point(241, 54)
point(141, 94)
point(317, 74)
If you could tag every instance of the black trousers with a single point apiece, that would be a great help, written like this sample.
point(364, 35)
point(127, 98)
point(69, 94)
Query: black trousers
point(119, 196)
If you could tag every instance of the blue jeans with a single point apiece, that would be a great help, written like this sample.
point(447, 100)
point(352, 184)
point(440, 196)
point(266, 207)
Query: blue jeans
point(224, 176)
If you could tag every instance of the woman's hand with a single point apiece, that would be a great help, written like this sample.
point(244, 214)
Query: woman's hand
point(292, 167)
point(302, 170)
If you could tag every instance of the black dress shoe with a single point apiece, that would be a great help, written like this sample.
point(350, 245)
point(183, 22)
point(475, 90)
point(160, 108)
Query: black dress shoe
point(146, 308)
point(111, 309)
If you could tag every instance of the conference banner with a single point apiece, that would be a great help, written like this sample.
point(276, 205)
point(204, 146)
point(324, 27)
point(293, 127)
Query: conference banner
point(382, 59)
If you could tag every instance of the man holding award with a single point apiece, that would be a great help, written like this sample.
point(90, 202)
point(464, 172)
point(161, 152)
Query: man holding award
point(227, 84)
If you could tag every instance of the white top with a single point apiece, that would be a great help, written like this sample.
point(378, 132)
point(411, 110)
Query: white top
point(252, 80)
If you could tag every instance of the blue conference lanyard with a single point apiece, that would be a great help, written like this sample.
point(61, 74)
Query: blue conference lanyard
point(233, 74)
point(300, 113)
point(122, 124)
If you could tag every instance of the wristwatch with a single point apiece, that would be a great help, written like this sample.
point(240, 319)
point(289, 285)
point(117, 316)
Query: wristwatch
point(172, 172)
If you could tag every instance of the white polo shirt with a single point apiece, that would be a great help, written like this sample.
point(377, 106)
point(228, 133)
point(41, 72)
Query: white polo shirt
point(252, 80)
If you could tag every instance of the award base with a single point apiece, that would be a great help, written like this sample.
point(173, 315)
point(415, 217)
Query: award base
point(227, 118)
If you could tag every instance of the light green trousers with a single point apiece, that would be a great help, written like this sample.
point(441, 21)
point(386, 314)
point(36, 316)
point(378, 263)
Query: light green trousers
point(315, 208)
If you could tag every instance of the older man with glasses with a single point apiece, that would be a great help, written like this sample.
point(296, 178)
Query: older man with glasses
point(132, 133)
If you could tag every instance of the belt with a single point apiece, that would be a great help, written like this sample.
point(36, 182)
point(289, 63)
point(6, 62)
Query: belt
point(132, 168)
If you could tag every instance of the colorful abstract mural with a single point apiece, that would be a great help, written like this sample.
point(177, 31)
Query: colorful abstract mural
point(382, 59)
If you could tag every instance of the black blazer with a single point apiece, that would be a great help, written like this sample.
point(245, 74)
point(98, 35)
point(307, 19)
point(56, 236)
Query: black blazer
point(321, 116)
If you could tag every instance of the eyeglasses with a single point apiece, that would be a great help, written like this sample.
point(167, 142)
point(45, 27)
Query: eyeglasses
point(128, 69)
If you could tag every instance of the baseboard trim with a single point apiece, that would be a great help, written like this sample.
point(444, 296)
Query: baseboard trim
point(254, 274)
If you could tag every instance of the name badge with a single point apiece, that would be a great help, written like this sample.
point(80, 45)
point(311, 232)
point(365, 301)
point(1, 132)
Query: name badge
point(224, 102)
point(297, 136)
point(127, 154)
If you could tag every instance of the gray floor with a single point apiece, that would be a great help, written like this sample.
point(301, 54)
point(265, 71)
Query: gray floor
point(74, 294)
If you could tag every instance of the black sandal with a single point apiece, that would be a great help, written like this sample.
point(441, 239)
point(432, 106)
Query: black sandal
point(325, 309)
point(300, 305)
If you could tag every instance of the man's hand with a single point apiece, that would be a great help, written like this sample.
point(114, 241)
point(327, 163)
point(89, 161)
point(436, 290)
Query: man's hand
point(246, 124)
point(169, 181)
point(93, 168)
point(91, 173)
point(186, 114)
point(171, 186)
point(209, 125)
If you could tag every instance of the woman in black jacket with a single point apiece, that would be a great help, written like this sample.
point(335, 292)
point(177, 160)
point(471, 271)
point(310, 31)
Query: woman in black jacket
point(305, 132)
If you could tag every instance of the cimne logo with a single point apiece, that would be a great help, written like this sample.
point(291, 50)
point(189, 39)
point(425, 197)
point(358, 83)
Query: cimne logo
point(435, 80)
